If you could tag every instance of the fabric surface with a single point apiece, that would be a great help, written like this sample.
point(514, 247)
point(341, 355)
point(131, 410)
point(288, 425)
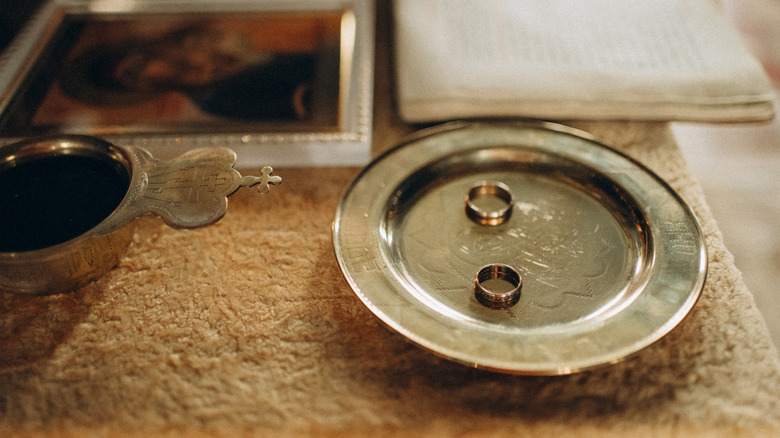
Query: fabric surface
point(600, 60)
point(247, 328)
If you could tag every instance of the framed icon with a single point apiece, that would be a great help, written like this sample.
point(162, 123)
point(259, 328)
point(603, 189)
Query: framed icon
point(282, 83)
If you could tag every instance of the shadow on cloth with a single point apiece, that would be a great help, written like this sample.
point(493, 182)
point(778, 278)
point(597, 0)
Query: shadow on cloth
point(31, 327)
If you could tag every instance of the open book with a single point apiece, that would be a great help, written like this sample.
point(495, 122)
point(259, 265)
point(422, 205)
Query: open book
point(560, 59)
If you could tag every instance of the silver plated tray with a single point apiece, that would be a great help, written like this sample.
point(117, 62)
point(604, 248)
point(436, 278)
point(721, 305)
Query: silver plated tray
point(604, 256)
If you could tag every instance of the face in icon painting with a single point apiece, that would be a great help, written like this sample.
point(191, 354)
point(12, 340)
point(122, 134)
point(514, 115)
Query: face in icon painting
point(220, 71)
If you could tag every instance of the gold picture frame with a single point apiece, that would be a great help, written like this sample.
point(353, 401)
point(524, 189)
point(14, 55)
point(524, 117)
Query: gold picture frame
point(281, 83)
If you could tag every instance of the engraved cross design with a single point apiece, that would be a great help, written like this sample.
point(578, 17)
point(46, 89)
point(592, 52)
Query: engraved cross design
point(204, 178)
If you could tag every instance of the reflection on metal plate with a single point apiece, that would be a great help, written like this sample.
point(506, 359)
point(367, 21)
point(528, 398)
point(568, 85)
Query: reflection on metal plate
point(611, 259)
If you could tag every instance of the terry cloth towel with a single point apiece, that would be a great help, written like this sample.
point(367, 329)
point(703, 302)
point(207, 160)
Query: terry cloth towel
point(248, 327)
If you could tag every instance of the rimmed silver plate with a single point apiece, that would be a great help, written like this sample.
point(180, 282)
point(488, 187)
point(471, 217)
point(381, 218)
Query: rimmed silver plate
point(610, 256)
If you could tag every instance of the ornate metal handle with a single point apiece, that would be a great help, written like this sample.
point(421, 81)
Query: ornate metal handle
point(190, 191)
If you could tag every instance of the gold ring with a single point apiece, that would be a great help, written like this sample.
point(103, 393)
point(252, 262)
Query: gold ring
point(502, 293)
point(489, 203)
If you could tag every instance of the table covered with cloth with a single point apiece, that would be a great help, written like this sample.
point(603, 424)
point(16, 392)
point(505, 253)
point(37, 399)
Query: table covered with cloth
point(248, 328)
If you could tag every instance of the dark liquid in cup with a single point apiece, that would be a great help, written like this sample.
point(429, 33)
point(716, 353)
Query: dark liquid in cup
point(52, 199)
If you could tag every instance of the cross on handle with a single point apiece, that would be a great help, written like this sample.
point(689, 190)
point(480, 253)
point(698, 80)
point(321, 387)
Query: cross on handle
point(265, 180)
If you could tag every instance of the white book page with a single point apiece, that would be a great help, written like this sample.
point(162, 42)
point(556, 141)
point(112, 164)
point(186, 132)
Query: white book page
point(660, 59)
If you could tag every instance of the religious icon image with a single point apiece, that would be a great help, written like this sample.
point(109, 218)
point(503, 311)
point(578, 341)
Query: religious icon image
point(189, 72)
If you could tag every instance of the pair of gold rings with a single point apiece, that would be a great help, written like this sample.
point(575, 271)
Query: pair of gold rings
point(496, 286)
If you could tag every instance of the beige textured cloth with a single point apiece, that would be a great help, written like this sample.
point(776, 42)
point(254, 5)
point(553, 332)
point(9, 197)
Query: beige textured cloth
point(248, 328)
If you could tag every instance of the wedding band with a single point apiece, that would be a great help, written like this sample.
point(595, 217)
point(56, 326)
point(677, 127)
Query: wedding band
point(489, 216)
point(497, 298)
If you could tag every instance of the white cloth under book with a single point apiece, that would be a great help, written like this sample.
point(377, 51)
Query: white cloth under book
point(562, 59)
